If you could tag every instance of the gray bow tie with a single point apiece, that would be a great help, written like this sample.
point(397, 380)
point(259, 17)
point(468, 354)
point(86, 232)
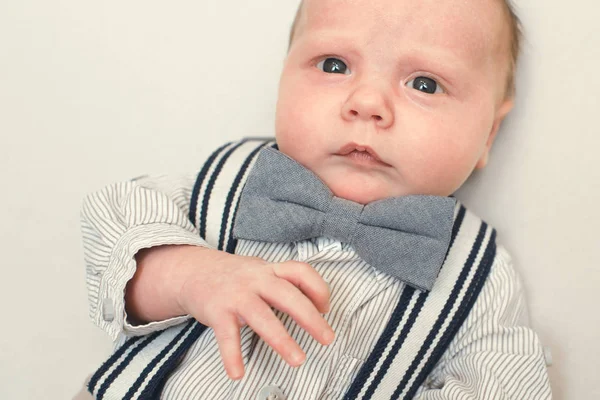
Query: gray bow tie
point(406, 237)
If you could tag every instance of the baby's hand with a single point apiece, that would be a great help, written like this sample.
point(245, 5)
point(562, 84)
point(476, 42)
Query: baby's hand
point(229, 291)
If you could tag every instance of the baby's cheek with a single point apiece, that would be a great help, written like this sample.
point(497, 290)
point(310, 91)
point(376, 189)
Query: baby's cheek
point(290, 123)
point(293, 142)
point(453, 169)
point(297, 132)
point(439, 170)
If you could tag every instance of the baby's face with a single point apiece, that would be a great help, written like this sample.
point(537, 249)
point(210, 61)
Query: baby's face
point(385, 98)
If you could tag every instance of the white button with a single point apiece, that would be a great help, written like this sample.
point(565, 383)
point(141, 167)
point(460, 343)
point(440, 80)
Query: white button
point(548, 356)
point(302, 251)
point(328, 244)
point(335, 246)
point(270, 393)
point(108, 310)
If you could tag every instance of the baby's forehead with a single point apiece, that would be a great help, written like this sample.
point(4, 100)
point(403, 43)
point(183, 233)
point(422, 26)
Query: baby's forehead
point(468, 28)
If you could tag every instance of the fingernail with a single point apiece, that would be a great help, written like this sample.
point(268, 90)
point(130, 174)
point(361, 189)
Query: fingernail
point(328, 336)
point(236, 373)
point(297, 358)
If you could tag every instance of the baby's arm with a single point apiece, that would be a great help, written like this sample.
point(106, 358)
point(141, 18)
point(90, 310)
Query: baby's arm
point(117, 222)
point(179, 274)
point(494, 355)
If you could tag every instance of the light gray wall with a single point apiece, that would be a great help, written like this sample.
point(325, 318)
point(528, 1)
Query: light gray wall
point(95, 92)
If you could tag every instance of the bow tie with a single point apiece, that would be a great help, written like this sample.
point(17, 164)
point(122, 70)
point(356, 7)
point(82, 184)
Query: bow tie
point(406, 237)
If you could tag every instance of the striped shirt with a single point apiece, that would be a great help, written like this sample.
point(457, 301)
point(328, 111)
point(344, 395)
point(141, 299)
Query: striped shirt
point(493, 356)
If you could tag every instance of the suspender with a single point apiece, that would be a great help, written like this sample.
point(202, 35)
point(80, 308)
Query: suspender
point(420, 329)
point(423, 324)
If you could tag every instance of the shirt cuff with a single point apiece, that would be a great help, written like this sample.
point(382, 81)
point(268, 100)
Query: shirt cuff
point(110, 314)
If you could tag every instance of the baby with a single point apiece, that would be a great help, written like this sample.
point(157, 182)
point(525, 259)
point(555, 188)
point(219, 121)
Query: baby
point(385, 108)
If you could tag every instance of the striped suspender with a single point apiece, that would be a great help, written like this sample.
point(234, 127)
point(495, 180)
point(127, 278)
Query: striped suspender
point(421, 326)
point(218, 188)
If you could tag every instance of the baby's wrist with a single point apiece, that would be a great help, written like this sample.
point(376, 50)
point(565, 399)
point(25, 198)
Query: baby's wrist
point(152, 294)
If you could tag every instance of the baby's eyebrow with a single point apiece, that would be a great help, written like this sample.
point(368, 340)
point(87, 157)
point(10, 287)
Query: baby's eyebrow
point(326, 38)
point(438, 58)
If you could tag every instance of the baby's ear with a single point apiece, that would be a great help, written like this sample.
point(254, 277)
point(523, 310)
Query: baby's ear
point(502, 111)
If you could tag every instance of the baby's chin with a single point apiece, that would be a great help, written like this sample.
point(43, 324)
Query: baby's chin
point(361, 194)
point(372, 190)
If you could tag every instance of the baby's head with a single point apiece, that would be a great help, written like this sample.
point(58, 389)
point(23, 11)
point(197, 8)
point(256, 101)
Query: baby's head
point(385, 98)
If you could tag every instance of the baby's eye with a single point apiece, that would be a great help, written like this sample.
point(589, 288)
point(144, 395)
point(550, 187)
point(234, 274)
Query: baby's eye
point(333, 66)
point(425, 85)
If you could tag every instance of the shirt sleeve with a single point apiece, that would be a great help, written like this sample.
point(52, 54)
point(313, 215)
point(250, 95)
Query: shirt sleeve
point(495, 355)
point(116, 223)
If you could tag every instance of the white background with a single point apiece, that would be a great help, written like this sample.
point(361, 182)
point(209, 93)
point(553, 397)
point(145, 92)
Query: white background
point(95, 92)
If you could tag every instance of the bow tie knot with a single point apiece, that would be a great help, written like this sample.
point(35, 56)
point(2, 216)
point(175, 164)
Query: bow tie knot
point(341, 219)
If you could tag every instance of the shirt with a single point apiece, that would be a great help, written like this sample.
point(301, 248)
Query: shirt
point(494, 355)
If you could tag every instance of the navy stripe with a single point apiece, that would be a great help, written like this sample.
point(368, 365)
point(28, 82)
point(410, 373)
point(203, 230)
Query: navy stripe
point(460, 282)
point(460, 216)
point(108, 363)
point(231, 242)
point(200, 181)
point(146, 371)
point(456, 227)
point(210, 186)
point(467, 303)
point(382, 343)
point(156, 384)
point(385, 366)
point(117, 371)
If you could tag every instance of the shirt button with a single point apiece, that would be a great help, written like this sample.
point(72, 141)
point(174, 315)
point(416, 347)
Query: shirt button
point(548, 356)
point(271, 393)
point(108, 310)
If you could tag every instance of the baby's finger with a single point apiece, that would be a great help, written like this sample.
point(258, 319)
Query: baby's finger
point(259, 316)
point(307, 279)
point(227, 333)
point(286, 297)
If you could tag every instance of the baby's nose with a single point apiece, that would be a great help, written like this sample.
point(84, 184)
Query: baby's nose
point(369, 104)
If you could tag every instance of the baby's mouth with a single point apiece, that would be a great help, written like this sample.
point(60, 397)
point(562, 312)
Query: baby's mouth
point(361, 154)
